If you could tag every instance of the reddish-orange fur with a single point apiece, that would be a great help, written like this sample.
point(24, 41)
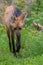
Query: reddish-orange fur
point(13, 20)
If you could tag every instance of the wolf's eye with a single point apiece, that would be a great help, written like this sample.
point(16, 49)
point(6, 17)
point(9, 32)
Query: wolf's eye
point(15, 28)
point(20, 28)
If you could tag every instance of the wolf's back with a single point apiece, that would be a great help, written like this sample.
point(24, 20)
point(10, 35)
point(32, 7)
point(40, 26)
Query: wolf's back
point(10, 12)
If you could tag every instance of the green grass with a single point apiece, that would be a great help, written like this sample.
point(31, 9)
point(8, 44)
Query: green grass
point(31, 52)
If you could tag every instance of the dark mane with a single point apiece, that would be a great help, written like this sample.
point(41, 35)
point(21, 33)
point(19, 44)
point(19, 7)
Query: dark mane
point(17, 12)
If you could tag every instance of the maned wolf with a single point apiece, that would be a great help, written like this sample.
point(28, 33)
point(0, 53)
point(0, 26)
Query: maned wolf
point(13, 20)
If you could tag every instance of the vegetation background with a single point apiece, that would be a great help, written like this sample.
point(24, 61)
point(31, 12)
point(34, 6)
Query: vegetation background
point(31, 52)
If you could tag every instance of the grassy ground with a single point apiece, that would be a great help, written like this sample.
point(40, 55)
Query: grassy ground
point(31, 52)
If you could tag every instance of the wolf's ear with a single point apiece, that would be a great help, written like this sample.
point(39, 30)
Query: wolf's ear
point(23, 15)
point(15, 18)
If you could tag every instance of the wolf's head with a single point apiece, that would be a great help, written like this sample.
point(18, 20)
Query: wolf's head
point(18, 21)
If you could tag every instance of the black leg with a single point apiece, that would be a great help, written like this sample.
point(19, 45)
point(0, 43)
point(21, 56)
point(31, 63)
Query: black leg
point(10, 45)
point(8, 34)
point(13, 46)
point(18, 42)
